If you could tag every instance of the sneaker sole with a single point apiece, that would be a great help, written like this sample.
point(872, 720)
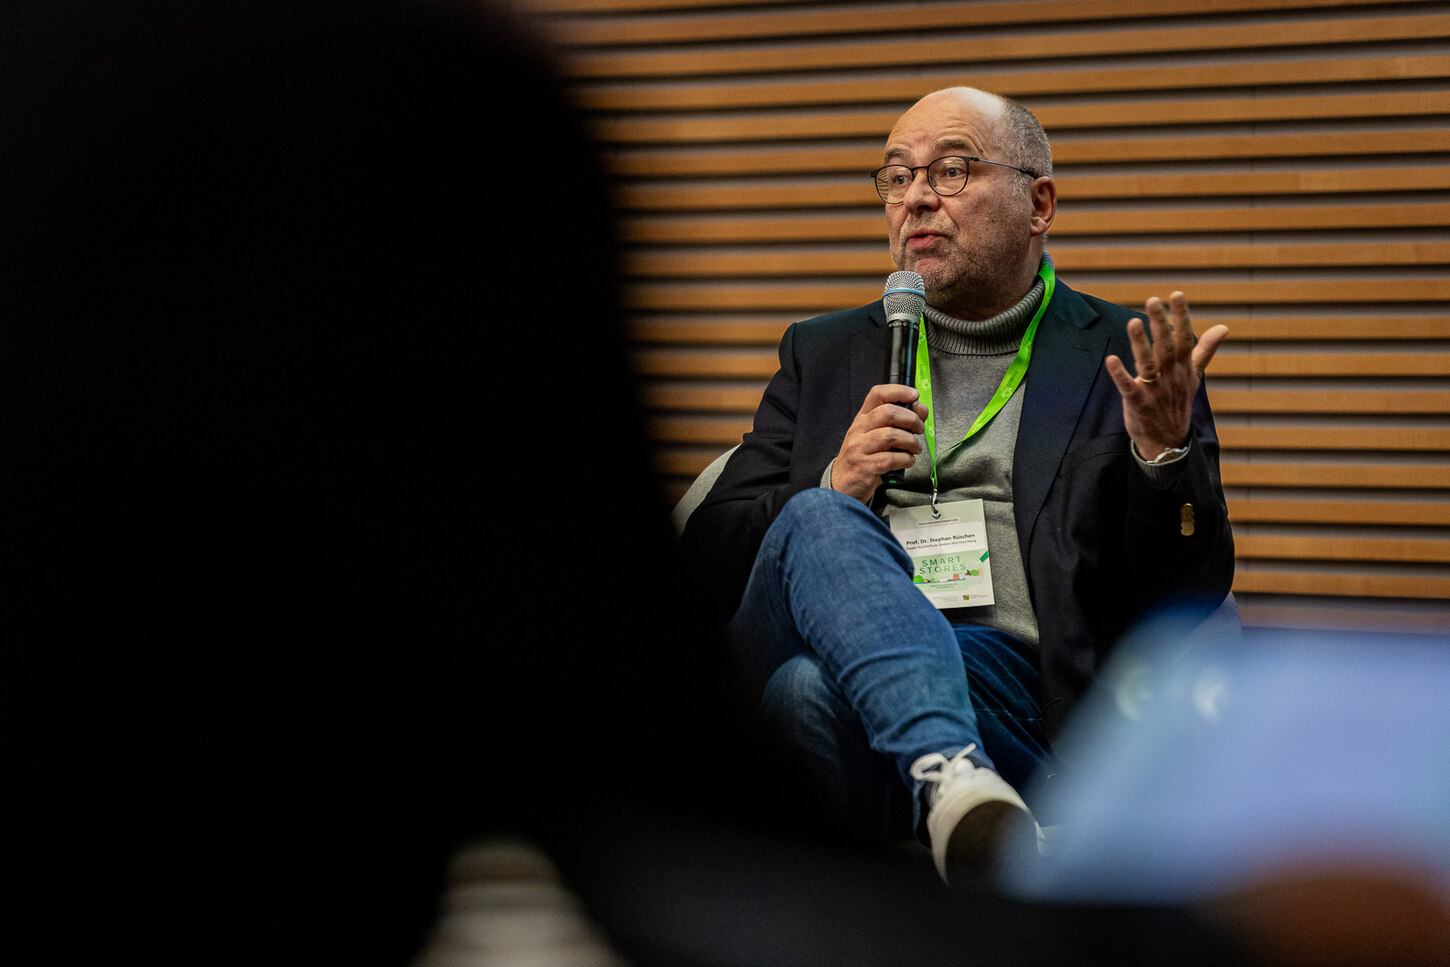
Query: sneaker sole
point(983, 837)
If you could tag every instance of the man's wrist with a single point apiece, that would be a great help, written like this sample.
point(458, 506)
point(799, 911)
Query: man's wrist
point(1166, 455)
point(1165, 468)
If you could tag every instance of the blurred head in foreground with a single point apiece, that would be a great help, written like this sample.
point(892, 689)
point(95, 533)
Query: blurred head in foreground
point(295, 387)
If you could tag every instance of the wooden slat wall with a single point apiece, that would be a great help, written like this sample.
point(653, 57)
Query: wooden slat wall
point(1281, 161)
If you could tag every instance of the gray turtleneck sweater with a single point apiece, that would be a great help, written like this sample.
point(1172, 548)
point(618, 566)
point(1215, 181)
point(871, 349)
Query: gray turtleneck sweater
point(968, 360)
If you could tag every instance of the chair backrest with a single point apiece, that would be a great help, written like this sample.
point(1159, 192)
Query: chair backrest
point(687, 504)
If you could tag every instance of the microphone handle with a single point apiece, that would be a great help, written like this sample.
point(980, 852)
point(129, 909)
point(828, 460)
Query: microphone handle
point(901, 352)
point(900, 368)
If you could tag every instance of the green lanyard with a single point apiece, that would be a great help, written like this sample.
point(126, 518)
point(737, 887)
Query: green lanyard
point(1010, 380)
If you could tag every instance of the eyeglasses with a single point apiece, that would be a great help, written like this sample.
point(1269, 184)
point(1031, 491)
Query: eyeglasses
point(947, 176)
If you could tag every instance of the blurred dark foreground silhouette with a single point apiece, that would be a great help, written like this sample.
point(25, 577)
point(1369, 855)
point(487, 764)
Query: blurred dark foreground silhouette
point(323, 504)
point(328, 539)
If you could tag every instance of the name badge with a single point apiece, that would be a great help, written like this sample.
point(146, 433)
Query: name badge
point(948, 548)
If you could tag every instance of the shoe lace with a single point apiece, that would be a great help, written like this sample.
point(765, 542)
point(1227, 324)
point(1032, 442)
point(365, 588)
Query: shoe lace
point(935, 767)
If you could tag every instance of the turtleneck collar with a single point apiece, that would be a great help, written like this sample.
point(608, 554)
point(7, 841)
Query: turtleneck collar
point(991, 337)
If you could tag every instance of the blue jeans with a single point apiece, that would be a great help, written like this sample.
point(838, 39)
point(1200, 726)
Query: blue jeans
point(861, 675)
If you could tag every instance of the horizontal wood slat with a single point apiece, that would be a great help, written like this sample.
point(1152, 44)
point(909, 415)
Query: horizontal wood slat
point(984, 13)
point(759, 363)
point(681, 465)
point(818, 227)
point(687, 160)
point(725, 432)
point(1366, 584)
point(1330, 438)
point(1295, 325)
point(1291, 324)
point(743, 399)
point(1332, 364)
point(710, 330)
point(1237, 472)
point(1309, 548)
point(721, 432)
point(707, 397)
point(721, 59)
point(674, 263)
point(759, 126)
point(1338, 510)
point(845, 88)
point(816, 297)
point(836, 193)
point(1226, 401)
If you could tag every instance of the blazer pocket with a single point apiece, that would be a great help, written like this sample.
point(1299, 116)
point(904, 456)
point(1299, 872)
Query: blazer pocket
point(1111, 445)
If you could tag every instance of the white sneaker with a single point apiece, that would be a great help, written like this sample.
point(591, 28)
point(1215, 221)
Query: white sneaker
point(973, 815)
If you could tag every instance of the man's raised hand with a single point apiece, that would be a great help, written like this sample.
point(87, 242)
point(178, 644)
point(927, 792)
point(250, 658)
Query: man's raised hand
point(1158, 402)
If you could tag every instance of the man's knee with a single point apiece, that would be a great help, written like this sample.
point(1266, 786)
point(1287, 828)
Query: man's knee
point(801, 703)
point(818, 506)
point(829, 521)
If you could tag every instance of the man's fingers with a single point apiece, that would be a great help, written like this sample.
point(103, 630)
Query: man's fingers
point(1183, 336)
point(1173, 338)
point(891, 439)
point(1120, 376)
point(891, 404)
point(1165, 335)
point(1208, 344)
point(880, 440)
point(886, 429)
point(1143, 362)
point(877, 436)
point(889, 393)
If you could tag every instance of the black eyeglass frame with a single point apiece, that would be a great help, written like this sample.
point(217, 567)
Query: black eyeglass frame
point(876, 175)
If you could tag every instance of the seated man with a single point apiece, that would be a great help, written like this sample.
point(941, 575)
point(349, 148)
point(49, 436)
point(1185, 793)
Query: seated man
point(1066, 494)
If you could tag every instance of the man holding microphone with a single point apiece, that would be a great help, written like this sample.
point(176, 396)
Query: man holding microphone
point(925, 578)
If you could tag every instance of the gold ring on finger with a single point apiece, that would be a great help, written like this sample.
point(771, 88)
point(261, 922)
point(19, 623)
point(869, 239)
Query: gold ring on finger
point(1146, 380)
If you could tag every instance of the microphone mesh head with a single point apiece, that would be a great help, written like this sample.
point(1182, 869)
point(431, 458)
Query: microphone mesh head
point(905, 294)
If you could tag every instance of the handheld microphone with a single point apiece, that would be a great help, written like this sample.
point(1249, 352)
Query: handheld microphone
point(904, 299)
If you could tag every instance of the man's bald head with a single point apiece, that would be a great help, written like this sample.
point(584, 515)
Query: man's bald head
point(1020, 137)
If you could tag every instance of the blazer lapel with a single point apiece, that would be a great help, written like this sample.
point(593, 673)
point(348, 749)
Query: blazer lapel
point(868, 358)
point(1066, 359)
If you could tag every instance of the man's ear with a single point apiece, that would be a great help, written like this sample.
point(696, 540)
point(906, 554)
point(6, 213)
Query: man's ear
point(1044, 204)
